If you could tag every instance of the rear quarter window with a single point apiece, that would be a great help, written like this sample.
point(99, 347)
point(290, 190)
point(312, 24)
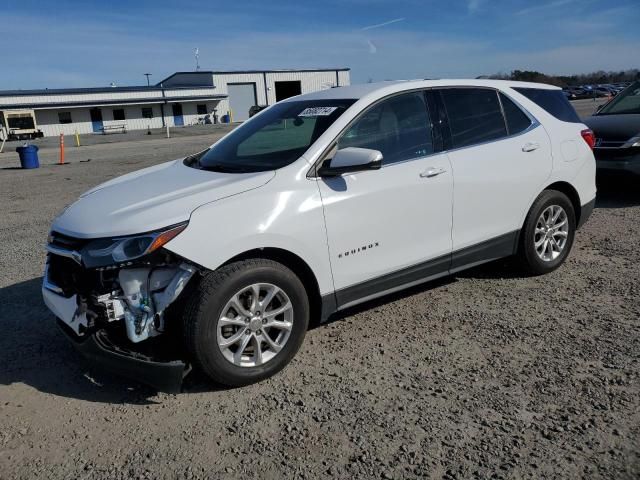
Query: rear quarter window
point(553, 101)
point(517, 120)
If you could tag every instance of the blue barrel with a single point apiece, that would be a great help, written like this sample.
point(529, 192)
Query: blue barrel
point(28, 156)
point(226, 119)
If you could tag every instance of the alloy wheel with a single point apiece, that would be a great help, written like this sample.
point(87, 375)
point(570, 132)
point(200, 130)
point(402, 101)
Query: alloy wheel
point(255, 325)
point(551, 233)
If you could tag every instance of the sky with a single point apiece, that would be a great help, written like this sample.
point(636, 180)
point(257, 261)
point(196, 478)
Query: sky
point(93, 43)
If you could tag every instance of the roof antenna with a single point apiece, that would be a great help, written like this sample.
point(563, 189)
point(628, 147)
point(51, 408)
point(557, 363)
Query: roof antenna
point(197, 54)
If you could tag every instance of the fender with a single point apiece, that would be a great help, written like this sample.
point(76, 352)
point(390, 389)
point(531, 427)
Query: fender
point(287, 216)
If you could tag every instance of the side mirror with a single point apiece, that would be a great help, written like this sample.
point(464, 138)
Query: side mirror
point(350, 160)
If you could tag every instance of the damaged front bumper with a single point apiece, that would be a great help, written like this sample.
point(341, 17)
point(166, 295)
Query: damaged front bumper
point(116, 317)
point(99, 349)
point(110, 353)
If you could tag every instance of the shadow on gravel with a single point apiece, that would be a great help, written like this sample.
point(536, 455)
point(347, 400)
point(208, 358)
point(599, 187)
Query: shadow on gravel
point(504, 268)
point(618, 191)
point(33, 352)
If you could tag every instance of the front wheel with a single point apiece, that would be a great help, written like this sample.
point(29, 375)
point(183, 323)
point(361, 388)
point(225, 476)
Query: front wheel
point(245, 321)
point(547, 236)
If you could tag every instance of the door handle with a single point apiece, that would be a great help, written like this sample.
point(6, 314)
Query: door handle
point(530, 146)
point(432, 172)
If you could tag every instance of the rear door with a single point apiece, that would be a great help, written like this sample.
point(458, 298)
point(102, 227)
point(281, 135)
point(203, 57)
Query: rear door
point(500, 157)
point(392, 226)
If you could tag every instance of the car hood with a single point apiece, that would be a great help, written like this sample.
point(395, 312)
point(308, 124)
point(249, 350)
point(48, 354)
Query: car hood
point(150, 199)
point(614, 127)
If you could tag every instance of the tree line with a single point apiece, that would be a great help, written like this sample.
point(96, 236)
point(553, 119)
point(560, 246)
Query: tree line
point(569, 80)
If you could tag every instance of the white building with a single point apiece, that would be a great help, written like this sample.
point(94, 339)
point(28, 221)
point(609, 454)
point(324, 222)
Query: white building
point(180, 99)
point(243, 89)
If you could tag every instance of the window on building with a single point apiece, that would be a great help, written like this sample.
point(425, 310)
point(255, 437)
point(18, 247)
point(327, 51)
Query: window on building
point(147, 112)
point(517, 120)
point(202, 109)
point(474, 115)
point(398, 127)
point(118, 114)
point(64, 117)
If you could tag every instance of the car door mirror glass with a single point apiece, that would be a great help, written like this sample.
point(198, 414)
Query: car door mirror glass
point(349, 160)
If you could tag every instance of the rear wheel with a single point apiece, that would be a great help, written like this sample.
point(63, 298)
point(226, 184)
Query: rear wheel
point(548, 233)
point(246, 321)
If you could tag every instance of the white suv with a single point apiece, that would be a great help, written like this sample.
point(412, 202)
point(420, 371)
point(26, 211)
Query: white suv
point(319, 202)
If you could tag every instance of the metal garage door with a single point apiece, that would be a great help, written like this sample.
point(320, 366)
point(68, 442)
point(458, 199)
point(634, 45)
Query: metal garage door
point(242, 96)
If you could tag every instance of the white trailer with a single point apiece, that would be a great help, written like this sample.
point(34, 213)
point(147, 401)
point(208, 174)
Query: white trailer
point(19, 124)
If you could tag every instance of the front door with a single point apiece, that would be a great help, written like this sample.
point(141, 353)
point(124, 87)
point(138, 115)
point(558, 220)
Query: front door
point(178, 119)
point(392, 226)
point(96, 119)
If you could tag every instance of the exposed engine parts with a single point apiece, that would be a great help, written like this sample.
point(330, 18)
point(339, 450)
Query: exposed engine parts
point(143, 296)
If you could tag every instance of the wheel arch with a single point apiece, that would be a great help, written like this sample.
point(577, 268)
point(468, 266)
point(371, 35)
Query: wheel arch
point(570, 191)
point(559, 186)
point(299, 267)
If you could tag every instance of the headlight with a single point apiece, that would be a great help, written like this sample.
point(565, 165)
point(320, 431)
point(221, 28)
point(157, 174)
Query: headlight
point(107, 251)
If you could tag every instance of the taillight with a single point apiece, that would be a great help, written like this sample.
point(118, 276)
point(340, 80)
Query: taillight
point(589, 137)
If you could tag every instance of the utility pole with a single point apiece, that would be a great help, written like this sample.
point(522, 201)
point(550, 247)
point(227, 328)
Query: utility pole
point(148, 75)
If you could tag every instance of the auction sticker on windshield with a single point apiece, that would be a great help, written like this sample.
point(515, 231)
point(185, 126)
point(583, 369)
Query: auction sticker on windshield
point(317, 111)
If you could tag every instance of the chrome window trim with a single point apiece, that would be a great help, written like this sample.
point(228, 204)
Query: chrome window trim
point(534, 124)
point(534, 121)
point(509, 137)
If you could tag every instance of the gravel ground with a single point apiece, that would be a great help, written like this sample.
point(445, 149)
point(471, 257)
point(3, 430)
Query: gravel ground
point(487, 374)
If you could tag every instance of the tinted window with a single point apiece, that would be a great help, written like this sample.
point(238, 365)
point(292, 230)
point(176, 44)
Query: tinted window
point(147, 112)
point(553, 101)
point(474, 115)
point(398, 127)
point(118, 114)
point(517, 120)
point(273, 139)
point(202, 109)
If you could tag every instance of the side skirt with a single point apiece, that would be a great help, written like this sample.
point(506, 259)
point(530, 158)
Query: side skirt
point(499, 247)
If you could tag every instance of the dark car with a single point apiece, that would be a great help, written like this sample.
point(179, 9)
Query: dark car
point(616, 126)
point(592, 91)
point(256, 109)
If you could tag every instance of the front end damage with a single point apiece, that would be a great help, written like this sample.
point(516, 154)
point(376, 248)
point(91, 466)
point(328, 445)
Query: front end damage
point(118, 314)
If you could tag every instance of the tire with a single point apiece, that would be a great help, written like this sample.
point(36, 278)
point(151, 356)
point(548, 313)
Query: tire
point(535, 258)
point(229, 291)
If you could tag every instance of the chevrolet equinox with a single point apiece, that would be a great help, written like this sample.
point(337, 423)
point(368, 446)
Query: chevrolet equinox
point(222, 259)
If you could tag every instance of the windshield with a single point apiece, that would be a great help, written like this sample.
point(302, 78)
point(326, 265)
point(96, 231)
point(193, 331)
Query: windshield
point(273, 139)
point(627, 101)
